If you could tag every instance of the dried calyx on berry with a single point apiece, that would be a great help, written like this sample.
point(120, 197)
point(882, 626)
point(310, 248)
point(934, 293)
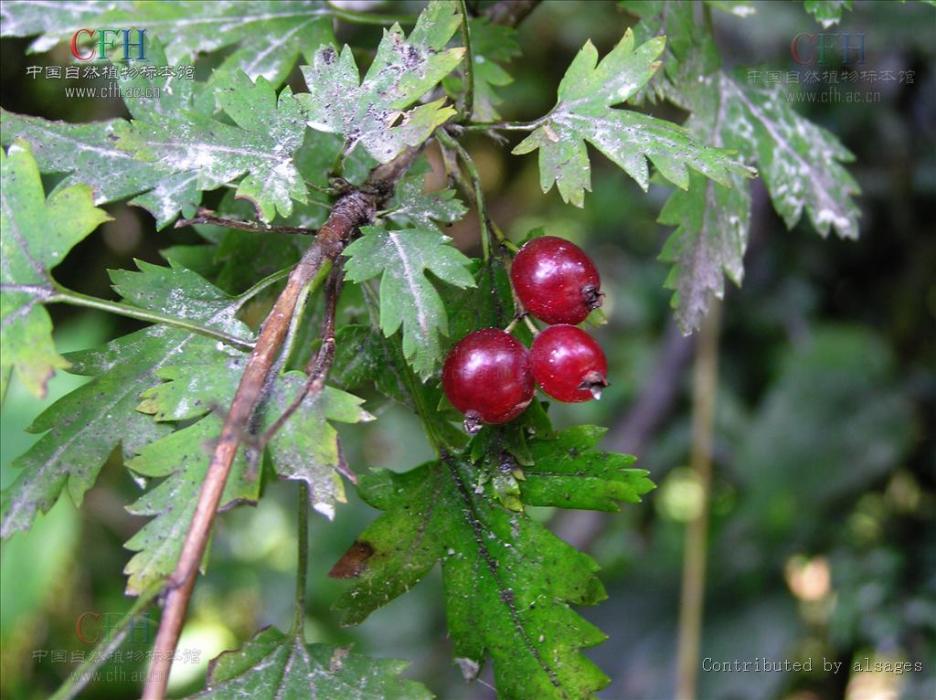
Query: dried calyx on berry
point(556, 281)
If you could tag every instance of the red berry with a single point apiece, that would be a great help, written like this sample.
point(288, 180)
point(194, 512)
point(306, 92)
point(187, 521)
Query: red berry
point(487, 377)
point(568, 364)
point(555, 280)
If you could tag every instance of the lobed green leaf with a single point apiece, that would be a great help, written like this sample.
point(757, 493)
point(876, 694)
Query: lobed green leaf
point(584, 112)
point(509, 582)
point(35, 235)
point(274, 665)
point(373, 112)
point(407, 298)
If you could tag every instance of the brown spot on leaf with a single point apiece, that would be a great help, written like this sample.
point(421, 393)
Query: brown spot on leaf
point(337, 659)
point(353, 562)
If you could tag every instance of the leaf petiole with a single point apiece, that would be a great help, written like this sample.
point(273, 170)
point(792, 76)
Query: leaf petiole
point(504, 126)
point(62, 295)
point(490, 234)
point(469, 60)
point(302, 560)
point(358, 17)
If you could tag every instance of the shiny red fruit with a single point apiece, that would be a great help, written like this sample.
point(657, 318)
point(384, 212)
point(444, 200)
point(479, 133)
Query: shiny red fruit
point(555, 280)
point(568, 364)
point(487, 377)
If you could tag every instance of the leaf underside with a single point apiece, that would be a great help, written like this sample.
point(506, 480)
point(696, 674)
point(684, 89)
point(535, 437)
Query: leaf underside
point(800, 162)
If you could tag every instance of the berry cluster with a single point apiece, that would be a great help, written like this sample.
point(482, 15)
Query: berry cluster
point(489, 375)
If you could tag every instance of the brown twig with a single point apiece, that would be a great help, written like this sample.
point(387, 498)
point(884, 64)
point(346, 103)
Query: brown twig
point(353, 209)
point(206, 216)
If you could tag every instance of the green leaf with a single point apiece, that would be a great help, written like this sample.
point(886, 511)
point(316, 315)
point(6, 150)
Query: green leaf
point(35, 235)
point(90, 153)
point(274, 665)
point(407, 297)
point(800, 164)
point(412, 206)
point(364, 356)
point(373, 111)
point(182, 457)
point(55, 22)
point(569, 472)
point(267, 35)
point(305, 448)
point(584, 113)
point(690, 49)
point(799, 161)
point(83, 428)
point(712, 220)
point(87, 153)
point(171, 94)
point(488, 304)
point(828, 13)
point(272, 52)
point(509, 582)
point(268, 131)
point(709, 242)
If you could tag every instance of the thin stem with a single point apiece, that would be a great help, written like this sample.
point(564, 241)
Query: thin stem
point(249, 391)
point(709, 24)
point(302, 559)
point(358, 17)
point(267, 281)
point(469, 61)
point(503, 126)
point(507, 243)
point(206, 216)
point(115, 636)
point(428, 414)
point(502, 237)
point(704, 388)
point(320, 363)
point(529, 324)
point(310, 289)
point(67, 296)
point(255, 448)
point(488, 235)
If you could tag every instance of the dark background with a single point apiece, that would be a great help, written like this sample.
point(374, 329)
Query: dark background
point(823, 544)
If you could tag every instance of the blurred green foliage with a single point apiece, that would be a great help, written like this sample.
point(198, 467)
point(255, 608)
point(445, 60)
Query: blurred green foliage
point(823, 539)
